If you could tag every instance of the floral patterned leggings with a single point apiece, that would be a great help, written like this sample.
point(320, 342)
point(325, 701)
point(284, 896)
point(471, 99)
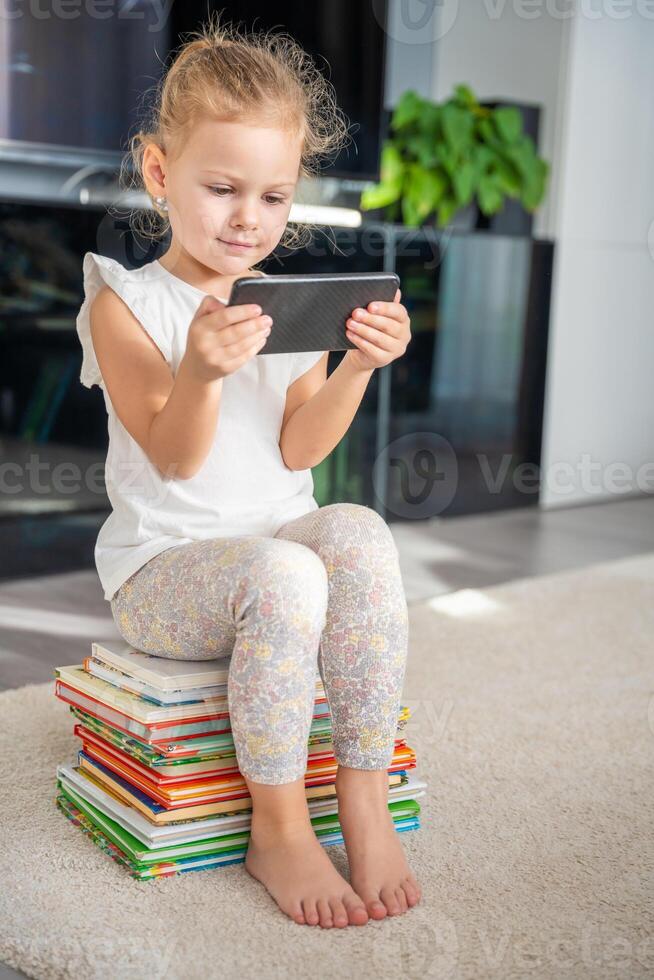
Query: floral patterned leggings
point(324, 594)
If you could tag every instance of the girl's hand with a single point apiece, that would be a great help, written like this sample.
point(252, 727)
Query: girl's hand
point(381, 333)
point(222, 338)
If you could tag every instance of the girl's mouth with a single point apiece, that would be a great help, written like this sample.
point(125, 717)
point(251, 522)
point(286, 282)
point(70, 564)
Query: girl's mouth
point(235, 245)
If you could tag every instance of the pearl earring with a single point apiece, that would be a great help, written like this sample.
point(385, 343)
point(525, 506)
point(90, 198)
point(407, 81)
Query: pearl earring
point(161, 201)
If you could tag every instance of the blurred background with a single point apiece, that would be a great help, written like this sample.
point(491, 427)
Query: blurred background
point(501, 165)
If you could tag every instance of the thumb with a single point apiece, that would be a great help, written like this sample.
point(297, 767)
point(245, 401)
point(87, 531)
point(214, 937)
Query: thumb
point(208, 304)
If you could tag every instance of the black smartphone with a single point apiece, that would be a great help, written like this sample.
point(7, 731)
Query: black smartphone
point(309, 310)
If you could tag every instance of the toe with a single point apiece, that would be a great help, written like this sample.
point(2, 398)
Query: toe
point(411, 892)
point(339, 913)
point(325, 913)
point(356, 910)
point(387, 895)
point(375, 906)
point(401, 898)
point(310, 912)
point(297, 914)
point(414, 881)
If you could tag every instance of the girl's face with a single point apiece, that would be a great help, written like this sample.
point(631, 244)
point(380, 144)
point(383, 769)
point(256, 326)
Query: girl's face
point(231, 183)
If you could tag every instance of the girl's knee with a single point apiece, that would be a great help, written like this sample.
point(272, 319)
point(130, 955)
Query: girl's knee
point(353, 522)
point(291, 570)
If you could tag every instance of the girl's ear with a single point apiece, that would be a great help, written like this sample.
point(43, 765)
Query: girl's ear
point(154, 167)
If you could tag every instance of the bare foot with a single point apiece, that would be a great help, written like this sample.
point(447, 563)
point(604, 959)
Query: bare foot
point(301, 878)
point(379, 871)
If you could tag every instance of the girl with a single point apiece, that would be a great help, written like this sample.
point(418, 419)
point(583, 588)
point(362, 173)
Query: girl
point(215, 546)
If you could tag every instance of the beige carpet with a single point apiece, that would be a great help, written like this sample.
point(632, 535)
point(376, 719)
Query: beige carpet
point(534, 723)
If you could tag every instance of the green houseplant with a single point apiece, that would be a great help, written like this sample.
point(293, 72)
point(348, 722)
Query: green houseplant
point(441, 156)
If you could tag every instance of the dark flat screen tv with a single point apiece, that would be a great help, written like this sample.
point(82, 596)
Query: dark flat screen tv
point(77, 81)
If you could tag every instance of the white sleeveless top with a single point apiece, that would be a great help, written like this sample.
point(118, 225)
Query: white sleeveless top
point(243, 487)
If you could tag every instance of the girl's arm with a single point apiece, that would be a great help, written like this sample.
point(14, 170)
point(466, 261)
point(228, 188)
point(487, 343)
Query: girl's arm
point(381, 334)
point(181, 434)
point(172, 419)
point(321, 421)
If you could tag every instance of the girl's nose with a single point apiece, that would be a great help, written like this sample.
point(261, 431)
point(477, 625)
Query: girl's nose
point(246, 225)
point(246, 218)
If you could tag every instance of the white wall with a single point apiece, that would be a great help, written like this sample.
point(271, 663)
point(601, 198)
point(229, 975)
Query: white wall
point(600, 390)
point(410, 40)
point(594, 75)
point(490, 46)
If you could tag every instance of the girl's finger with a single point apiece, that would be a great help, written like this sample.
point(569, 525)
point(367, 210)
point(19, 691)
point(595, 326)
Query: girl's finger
point(395, 311)
point(365, 345)
point(378, 338)
point(386, 324)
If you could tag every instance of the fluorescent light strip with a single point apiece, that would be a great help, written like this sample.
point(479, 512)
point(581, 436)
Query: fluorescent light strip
point(320, 214)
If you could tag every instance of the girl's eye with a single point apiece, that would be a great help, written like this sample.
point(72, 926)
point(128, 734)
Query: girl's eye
point(227, 190)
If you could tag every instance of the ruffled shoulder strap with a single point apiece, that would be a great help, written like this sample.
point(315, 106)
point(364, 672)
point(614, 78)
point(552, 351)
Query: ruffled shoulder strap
point(129, 284)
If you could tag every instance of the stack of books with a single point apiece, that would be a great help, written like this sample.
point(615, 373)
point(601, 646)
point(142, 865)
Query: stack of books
point(157, 785)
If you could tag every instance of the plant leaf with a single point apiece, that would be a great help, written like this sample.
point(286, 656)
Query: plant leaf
point(490, 197)
point(410, 215)
point(391, 168)
point(407, 110)
point(389, 187)
point(534, 188)
point(458, 125)
point(486, 130)
point(463, 180)
point(523, 155)
point(482, 157)
point(507, 178)
point(429, 121)
point(423, 147)
point(464, 96)
point(508, 123)
point(447, 208)
point(379, 196)
point(447, 158)
point(425, 188)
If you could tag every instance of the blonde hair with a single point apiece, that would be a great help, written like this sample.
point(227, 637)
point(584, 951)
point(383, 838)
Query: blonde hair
point(223, 74)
